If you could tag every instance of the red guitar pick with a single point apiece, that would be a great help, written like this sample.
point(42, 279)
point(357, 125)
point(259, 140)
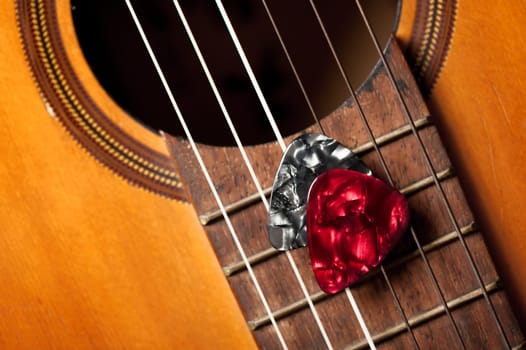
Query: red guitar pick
point(353, 221)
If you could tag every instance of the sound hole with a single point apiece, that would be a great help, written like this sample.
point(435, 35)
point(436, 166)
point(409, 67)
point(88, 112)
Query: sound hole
point(115, 52)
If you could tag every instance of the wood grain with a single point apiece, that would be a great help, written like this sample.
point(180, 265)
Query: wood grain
point(479, 106)
point(87, 260)
point(90, 261)
point(411, 281)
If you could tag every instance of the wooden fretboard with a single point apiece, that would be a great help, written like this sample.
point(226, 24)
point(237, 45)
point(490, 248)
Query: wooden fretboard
point(428, 291)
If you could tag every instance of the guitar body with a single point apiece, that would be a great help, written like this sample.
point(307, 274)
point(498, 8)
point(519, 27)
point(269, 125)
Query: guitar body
point(88, 259)
point(477, 96)
point(108, 252)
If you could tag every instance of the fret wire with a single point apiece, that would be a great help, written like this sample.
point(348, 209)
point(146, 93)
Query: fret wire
point(296, 306)
point(388, 175)
point(238, 141)
point(351, 299)
point(204, 169)
point(431, 314)
point(349, 294)
point(431, 168)
point(288, 310)
point(220, 101)
point(209, 217)
point(292, 66)
point(407, 191)
point(392, 136)
point(521, 346)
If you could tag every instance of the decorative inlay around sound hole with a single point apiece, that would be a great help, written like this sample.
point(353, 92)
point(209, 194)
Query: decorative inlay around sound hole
point(69, 102)
point(408, 274)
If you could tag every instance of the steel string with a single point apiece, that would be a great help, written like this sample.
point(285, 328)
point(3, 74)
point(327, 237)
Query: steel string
point(433, 173)
point(292, 66)
point(237, 139)
point(318, 122)
point(206, 174)
point(385, 168)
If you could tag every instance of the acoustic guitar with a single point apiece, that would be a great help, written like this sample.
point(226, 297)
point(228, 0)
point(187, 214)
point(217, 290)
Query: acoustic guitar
point(115, 236)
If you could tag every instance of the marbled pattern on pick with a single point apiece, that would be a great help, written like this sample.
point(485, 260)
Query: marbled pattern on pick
point(306, 157)
point(353, 222)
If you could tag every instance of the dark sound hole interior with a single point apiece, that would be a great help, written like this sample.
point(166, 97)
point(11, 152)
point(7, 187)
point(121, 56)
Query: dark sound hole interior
point(118, 58)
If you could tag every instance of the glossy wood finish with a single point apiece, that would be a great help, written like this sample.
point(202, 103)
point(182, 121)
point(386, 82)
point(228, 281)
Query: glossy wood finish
point(88, 260)
point(412, 283)
point(479, 106)
point(93, 261)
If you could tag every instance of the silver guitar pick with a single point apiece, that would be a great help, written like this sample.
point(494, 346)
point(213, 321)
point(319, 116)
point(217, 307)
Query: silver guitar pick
point(306, 157)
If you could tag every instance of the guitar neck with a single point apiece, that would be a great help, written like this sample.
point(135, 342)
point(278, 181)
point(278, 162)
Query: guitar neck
point(429, 277)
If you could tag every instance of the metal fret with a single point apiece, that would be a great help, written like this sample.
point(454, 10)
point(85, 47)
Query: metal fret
point(426, 182)
point(430, 166)
point(308, 300)
point(268, 253)
point(383, 163)
point(197, 154)
point(209, 217)
point(441, 241)
point(271, 120)
point(393, 135)
point(428, 315)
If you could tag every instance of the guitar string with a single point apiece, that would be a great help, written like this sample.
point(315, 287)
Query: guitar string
point(385, 168)
point(293, 67)
point(210, 183)
point(263, 197)
point(268, 113)
point(250, 73)
point(318, 122)
point(361, 321)
point(245, 158)
point(239, 144)
point(159, 71)
point(437, 183)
